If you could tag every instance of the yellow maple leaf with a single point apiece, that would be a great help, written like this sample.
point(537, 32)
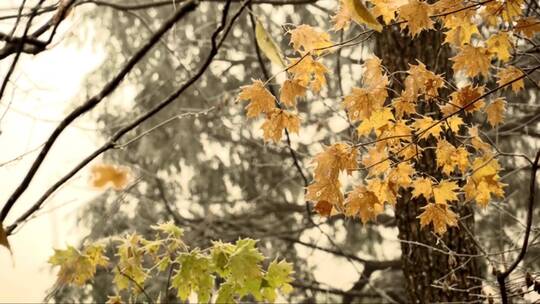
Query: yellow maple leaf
point(495, 111)
point(528, 26)
point(476, 140)
point(363, 203)
point(422, 81)
point(78, 267)
point(445, 192)
point(360, 104)
point(306, 38)
point(454, 123)
point(378, 120)
point(308, 72)
point(342, 18)
point(467, 98)
point(509, 74)
point(440, 216)
point(426, 126)
point(416, 13)
point(105, 174)
point(261, 100)
point(336, 158)
point(376, 161)
point(290, 91)
point(460, 34)
point(422, 186)
point(361, 14)
point(278, 120)
point(500, 45)
point(472, 61)
point(401, 175)
point(387, 8)
point(382, 190)
point(327, 191)
point(449, 157)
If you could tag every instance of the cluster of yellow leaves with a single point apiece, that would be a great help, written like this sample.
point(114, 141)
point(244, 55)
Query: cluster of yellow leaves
point(78, 267)
point(103, 175)
point(400, 129)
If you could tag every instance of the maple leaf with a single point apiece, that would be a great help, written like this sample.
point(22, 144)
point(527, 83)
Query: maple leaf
point(308, 71)
point(305, 38)
point(361, 104)
point(445, 192)
point(104, 174)
point(376, 161)
point(425, 126)
point(460, 34)
point(476, 141)
point(78, 267)
point(324, 208)
point(336, 158)
point(356, 11)
point(261, 100)
point(387, 8)
point(373, 76)
point(326, 191)
point(454, 123)
point(467, 98)
point(363, 203)
point(422, 81)
point(290, 91)
point(404, 104)
point(378, 120)
point(383, 190)
point(500, 45)
point(439, 215)
point(422, 186)
point(509, 74)
point(401, 175)
point(528, 26)
point(495, 111)
point(472, 61)
point(416, 13)
point(277, 121)
point(448, 157)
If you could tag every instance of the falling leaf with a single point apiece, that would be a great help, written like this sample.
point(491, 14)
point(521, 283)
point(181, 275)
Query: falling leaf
point(268, 46)
point(472, 61)
point(495, 111)
point(103, 174)
point(290, 91)
point(440, 216)
point(261, 100)
point(416, 13)
point(508, 75)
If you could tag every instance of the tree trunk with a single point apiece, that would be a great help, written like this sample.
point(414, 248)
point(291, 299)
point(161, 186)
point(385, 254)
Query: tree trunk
point(430, 276)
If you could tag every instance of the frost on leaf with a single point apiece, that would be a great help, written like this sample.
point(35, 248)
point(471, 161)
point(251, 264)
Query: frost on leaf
point(78, 267)
point(105, 174)
point(439, 215)
point(261, 100)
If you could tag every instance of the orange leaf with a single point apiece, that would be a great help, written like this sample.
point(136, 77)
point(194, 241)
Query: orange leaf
point(105, 174)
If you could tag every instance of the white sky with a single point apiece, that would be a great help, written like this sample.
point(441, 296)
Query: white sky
point(39, 96)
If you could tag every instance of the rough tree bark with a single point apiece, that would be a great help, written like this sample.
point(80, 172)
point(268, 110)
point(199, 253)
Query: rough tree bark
point(423, 267)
